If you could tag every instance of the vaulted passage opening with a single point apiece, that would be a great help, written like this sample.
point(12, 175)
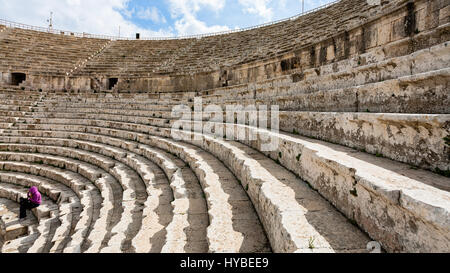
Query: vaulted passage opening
point(18, 78)
point(112, 82)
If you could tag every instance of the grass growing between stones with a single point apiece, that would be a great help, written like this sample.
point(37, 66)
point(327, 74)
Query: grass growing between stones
point(447, 140)
point(311, 243)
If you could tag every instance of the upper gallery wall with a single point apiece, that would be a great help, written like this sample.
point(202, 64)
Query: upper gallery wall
point(340, 31)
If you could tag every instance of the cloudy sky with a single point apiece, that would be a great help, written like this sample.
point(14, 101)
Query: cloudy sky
point(151, 18)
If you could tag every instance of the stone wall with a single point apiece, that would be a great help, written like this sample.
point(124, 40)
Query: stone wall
point(400, 30)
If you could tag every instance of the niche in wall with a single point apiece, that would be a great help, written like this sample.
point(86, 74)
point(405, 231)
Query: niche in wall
point(112, 82)
point(18, 78)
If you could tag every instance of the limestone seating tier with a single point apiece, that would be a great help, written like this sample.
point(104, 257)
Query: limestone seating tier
point(350, 246)
point(10, 226)
point(26, 230)
point(217, 216)
point(335, 28)
point(417, 139)
point(211, 52)
point(25, 167)
point(47, 215)
point(339, 75)
point(180, 206)
point(143, 55)
point(305, 247)
point(69, 210)
point(122, 173)
point(105, 188)
point(419, 93)
point(367, 163)
point(84, 189)
point(287, 118)
point(44, 52)
point(212, 248)
point(65, 210)
point(145, 170)
point(227, 211)
point(234, 226)
point(368, 148)
point(375, 83)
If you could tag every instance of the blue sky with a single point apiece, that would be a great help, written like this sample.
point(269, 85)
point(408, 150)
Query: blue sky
point(152, 18)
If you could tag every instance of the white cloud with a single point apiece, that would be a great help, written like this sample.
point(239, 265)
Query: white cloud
point(258, 7)
point(185, 11)
point(152, 14)
point(187, 16)
point(95, 17)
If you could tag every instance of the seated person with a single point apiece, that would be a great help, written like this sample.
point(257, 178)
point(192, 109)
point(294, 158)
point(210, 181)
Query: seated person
point(33, 201)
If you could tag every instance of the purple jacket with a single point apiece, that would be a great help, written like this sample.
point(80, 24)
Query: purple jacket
point(34, 195)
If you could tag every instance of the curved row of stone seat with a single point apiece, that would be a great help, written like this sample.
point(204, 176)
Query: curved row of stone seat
point(24, 231)
point(361, 70)
point(399, 95)
point(127, 178)
point(88, 194)
point(347, 73)
point(408, 94)
point(182, 213)
point(258, 44)
point(47, 214)
point(175, 232)
point(13, 230)
point(351, 100)
point(230, 209)
point(176, 229)
point(297, 239)
point(364, 188)
point(370, 176)
point(234, 225)
point(192, 191)
point(69, 204)
point(415, 139)
point(40, 52)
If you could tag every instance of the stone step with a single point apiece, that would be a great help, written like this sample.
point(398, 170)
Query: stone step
point(80, 185)
point(234, 226)
point(10, 226)
point(60, 150)
point(143, 138)
point(182, 180)
point(363, 188)
point(21, 244)
point(46, 214)
point(186, 232)
point(216, 195)
point(101, 178)
point(374, 177)
point(407, 94)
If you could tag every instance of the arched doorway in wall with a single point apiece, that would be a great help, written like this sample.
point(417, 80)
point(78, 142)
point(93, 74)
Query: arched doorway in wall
point(112, 82)
point(18, 78)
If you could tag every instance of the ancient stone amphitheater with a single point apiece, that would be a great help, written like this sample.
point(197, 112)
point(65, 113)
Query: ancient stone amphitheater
point(363, 154)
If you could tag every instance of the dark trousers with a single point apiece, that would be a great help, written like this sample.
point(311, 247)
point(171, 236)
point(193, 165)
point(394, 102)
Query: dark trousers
point(24, 205)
